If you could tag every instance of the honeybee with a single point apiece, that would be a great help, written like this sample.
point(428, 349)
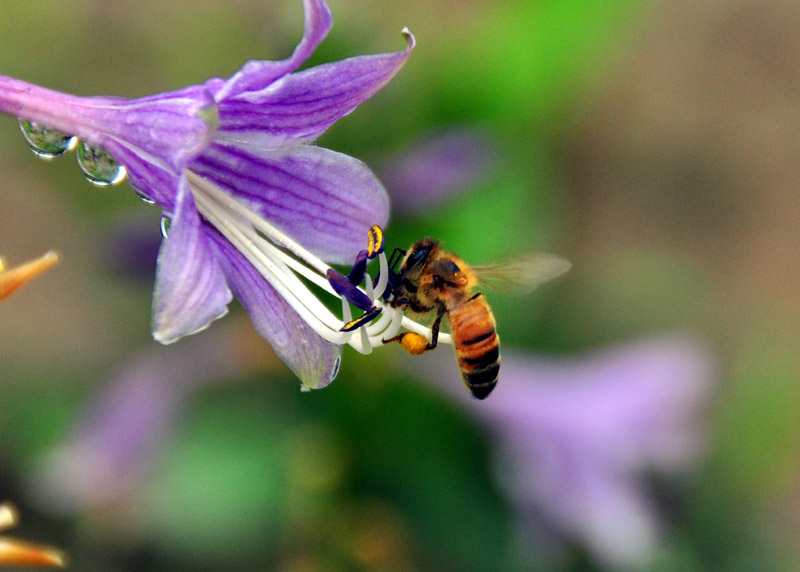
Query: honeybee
point(431, 278)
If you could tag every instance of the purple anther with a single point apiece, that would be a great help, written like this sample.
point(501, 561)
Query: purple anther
point(348, 291)
point(359, 269)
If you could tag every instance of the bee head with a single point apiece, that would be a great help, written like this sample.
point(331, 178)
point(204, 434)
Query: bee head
point(418, 256)
point(445, 272)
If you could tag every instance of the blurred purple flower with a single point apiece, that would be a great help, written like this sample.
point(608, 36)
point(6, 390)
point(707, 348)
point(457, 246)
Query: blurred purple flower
point(116, 444)
point(131, 247)
point(232, 164)
point(430, 171)
point(575, 437)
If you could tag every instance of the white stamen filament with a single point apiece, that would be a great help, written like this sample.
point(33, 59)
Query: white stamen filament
point(347, 315)
point(233, 205)
point(368, 287)
point(394, 327)
point(381, 324)
point(383, 278)
point(310, 309)
point(263, 245)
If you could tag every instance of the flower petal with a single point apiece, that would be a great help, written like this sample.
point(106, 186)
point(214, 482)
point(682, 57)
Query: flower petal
point(159, 184)
point(258, 74)
point(303, 105)
point(327, 201)
point(313, 360)
point(169, 128)
point(165, 130)
point(190, 288)
point(159, 135)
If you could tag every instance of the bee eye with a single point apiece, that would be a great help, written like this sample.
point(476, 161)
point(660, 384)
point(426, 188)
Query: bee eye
point(417, 257)
point(450, 268)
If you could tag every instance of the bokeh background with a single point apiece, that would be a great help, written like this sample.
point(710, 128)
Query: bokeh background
point(654, 144)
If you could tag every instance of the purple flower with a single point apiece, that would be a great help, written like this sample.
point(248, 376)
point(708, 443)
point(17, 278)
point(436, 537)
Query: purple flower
point(112, 451)
point(233, 166)
point(574, 437)
point(437, 168)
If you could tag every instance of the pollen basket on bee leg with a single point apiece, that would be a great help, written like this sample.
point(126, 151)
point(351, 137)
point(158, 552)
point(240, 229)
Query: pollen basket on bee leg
point(412, 342)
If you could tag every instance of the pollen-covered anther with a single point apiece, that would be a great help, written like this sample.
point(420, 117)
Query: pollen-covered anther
point(362, 320)
point(344, 288)
point(375, 241)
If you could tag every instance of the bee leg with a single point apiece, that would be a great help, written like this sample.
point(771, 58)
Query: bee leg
point(435, 328)
point(394, 278)
point(413, 343)
point(417, 344)
point(396, 257)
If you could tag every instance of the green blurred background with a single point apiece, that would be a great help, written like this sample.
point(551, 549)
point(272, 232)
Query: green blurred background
point(652, 143)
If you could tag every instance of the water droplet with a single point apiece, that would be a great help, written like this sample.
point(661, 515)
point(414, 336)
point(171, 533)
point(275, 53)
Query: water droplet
point(336, 365)
point(166, 222)
point(45, 142)
point(99, 166)
point(144, 197)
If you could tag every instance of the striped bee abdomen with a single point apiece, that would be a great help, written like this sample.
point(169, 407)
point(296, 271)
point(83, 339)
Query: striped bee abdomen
point(477, 344)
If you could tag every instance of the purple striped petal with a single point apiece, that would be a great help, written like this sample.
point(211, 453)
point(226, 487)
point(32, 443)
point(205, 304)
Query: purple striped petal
point(258, 74)
point(301, 106)
point(190, 289)
point(171, 127)
point(159, 184)
point(311, 358)
point(325, 200)
point(163, 131)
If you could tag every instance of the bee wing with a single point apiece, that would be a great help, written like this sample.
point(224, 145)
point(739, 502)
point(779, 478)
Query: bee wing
point(522, 275)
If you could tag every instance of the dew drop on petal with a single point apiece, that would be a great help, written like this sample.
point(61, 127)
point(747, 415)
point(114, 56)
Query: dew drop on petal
point(45, 142)
point(98, 166)
point(336, 365)
point(166, 222)
point(145, 198)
